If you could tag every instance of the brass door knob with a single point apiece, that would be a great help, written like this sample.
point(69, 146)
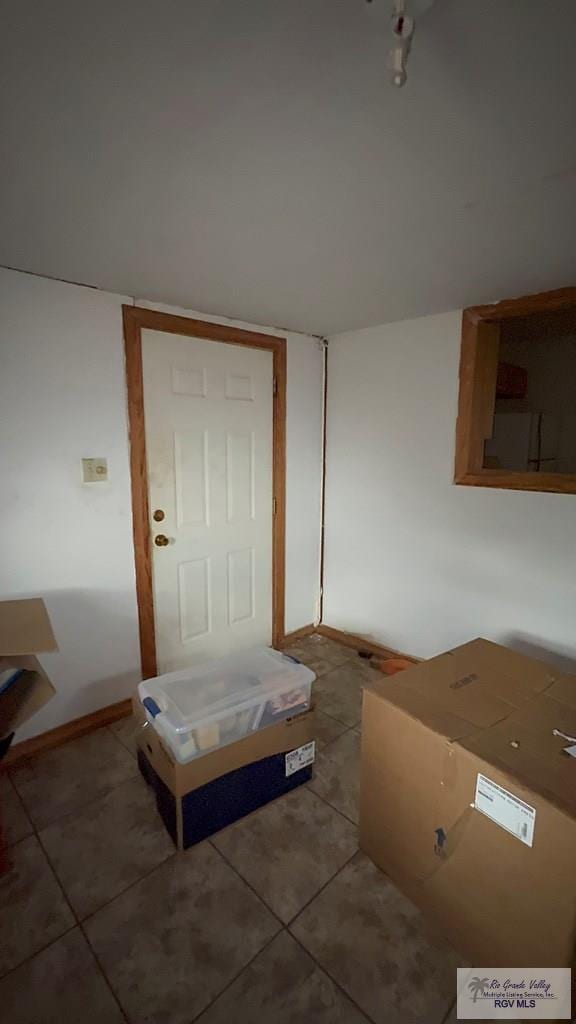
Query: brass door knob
point(161, 541)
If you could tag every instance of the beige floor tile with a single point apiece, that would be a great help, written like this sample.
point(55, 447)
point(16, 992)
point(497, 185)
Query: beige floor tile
point(312, 659)
point(288, 850)
point(345, 650)
point(327, 729)
point(322, 647)
point(33, 911)
point(109, 845)
point(283, 986)
point(365, 666)
point(126, 730)
point(337, 774)
point(338, 693)
point(13, 818)
point(321, 654)
point(294, 649)
point(377, 946)
point(172, 942)
point(61, 984)
point(64, 780)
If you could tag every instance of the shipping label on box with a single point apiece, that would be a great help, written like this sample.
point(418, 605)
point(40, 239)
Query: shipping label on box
point(300, 758)
point(505, 809)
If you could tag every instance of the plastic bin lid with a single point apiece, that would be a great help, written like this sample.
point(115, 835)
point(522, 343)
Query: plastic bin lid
point(192, 697)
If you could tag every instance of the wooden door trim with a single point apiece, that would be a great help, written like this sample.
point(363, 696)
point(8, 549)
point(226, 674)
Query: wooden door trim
point(135, 320)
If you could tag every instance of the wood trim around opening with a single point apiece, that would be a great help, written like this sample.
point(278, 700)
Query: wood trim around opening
point(136, 319)
point(478, 371)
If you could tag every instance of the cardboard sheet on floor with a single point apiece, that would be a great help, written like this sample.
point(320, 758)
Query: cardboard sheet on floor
point(468, 800)
point(25, 631)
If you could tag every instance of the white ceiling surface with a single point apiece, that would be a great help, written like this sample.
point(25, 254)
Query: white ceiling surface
point(249, 157)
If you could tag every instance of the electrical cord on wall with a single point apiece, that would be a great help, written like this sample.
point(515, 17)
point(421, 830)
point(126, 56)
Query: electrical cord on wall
point(323, 342)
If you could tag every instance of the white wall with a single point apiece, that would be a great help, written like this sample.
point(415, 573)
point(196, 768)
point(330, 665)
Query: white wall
point(62, 397)
point(413, 561)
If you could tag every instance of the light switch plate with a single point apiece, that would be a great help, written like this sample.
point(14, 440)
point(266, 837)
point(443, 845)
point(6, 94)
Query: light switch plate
point(94, 471)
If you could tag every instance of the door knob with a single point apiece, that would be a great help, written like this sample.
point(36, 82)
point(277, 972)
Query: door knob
point(161, 541)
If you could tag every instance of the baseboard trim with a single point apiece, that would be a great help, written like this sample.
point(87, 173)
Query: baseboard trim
point(298, 634)
point(96, 719)
point(360, 644)
point(113, 712)
point(63, 733)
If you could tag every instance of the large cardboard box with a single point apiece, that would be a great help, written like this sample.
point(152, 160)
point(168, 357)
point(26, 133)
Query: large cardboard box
point(468, 800)
point(198, 799)
point(25, 631)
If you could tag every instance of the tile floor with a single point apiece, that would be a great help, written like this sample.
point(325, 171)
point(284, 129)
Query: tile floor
point(278, 918)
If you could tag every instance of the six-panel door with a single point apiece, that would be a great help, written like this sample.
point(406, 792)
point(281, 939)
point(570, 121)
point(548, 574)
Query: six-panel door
point(208, 422)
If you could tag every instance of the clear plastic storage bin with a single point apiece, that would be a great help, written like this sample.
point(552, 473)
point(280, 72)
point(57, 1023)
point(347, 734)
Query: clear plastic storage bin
point(196, 710)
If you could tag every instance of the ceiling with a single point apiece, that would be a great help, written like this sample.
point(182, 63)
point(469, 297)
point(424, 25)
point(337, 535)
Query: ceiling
point(249, 157)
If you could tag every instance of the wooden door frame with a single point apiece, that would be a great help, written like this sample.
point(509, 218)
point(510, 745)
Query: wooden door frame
point(136, 319)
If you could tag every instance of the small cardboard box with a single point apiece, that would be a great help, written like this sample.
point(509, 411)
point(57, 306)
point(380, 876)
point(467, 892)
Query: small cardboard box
point(214, 790)
point(468, 800)
point(25, 630)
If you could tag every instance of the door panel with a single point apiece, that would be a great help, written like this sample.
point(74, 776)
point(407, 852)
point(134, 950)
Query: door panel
point(241, 585)
point(191, 478)
point(208, 424)
point(194, 599)
point(240, 495)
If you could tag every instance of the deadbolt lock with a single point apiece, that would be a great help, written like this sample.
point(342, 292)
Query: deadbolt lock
point(158, 515)
point(161, 541)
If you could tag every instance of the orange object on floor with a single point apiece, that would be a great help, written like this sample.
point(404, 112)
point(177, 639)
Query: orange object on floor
point(389, 666)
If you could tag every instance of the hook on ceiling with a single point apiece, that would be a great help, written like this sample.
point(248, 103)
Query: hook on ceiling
point(403, 30)
point(403, 25)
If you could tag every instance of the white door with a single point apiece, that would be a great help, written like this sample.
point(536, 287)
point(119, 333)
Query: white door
point(208, 424)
